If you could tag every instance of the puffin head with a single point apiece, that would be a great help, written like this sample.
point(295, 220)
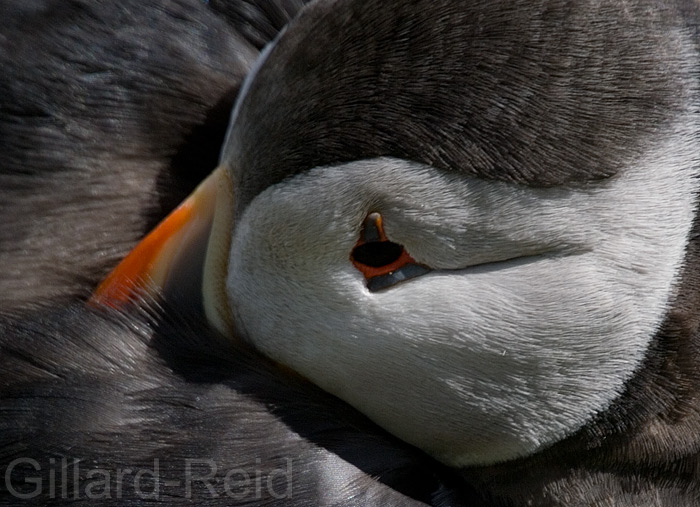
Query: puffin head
point(465, 219)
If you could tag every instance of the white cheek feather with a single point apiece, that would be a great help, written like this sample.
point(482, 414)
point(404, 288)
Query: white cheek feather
point(542, 309)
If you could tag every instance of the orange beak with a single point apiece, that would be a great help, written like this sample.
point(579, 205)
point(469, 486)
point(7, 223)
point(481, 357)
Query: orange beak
point(189, 246)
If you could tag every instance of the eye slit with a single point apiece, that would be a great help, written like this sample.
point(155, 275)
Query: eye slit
point(377, 253)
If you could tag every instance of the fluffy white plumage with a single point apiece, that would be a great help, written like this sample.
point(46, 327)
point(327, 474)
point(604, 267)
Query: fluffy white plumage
point(541, 305)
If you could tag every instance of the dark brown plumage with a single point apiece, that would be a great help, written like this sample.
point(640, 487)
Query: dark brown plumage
point(111, 113)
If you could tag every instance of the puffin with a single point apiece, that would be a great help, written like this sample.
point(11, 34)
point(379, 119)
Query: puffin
point(97, 146)
point(448, 257)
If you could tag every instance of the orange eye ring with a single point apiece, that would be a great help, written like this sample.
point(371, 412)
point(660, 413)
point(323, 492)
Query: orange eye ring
point(383, 263)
